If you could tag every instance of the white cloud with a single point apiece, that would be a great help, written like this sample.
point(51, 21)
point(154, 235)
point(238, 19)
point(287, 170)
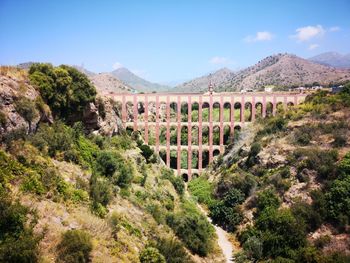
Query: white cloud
point(260, 36)
point(334, 29)
point(117, 65)
point(219, 60)
point(313, 46)
point(308, 32)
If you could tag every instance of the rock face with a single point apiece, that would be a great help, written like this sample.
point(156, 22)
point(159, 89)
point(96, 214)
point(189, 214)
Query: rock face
point(12, 88)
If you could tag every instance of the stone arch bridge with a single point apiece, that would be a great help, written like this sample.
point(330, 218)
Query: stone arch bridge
point(189, 130)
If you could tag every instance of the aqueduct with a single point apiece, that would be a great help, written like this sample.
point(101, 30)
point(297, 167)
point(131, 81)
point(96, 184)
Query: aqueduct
point(210, 121)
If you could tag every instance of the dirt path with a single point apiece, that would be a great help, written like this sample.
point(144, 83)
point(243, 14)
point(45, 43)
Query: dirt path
point(223, 241)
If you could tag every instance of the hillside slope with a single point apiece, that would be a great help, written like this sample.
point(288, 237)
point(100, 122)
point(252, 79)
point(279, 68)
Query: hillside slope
point(284, 193)
point(281, 70)
point(106, 83)
point(136, 82)
point(332, 59)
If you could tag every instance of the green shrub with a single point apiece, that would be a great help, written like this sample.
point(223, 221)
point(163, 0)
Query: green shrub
point(3, 119)
point(148, 153)
point(26, 108)
point(253, 248)
point(281, 233)
point(202, 189)
point(340, 138)
point(18, 243)
point(151, 255)
point(173, 250)
point(100, 192)
point(101, 107)
point(75, 247)
point(194, 230)
point(306, 214)
point(267, 199)
point(107, 163)
point(66, 90)
point(176, 181)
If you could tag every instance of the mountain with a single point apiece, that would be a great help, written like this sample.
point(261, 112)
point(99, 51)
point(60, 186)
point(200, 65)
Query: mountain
point(84, 70)
point(332, 59)
point(201, 84)
point(136, 82)
point(281, 70)
point(106, 83)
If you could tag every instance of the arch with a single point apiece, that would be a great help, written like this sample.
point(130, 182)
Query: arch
point(152, 134)
point(184, 112)
point(194, 164)
point(247, 111)
point(279, 108)
point(269, 109)
point(194, 114)
point(216, 135)
point(162, 135)
point(173, 159)
point(194, 135)
point(151, 111)
point(205, 159)
point(227, 135)
point(205, 135)
point(205, 112)
point(258, 110)
point(129, 130)
point(130, 111)
point(185, 177)
point(184, 159)
point(290, 104)
point(140, 111)
point(195, 175)
point(162, 112)
point(237, 132)
point(227, 112)
point(173, 135)
point(216, 112)
point(117, 107)
point(184, 135)
point(237, 107)
point(173, 112)
point(216, 152)
point(162, 155)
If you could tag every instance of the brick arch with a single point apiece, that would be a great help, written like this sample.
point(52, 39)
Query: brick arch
point(161, 125)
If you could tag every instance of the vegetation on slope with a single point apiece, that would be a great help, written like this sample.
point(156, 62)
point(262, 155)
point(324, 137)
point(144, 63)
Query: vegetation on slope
point(94, 198)
point(286, 197)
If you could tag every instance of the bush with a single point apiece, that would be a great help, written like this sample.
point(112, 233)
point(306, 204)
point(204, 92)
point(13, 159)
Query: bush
point(151, 255)
point(194, 230)
point(173, 250)
point(3, 119)
point(306, 214)
point(147, 152)
point(267, 199)
point(202, 189)
point(26, 108)
point(100, 191)
point(17, 240)
point(107, 163)
point(75, 247)
point(340, 138)
point(66, 90)
point(176, 181)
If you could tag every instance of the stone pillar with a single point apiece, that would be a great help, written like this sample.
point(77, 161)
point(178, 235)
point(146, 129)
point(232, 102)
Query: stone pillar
point(253, 108)
point(285, 102)
point(178, 135)
point(124, 111)
point(274, 105)
point(211, 128)
point(189, 137)
point(157, 124)
point(168, 131)
point(264, 106)
point(135, 111)
point(242, 109)
point(221, 124)
point(232, 131)
point(200, 133)
point(146, 119)
point(295, 100)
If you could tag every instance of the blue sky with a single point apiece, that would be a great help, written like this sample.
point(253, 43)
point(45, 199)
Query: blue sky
point(169, 40)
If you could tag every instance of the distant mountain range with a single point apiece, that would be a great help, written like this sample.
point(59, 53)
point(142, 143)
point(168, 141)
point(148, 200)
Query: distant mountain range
point(332, 59)
point(137, 82)
point(281, 70)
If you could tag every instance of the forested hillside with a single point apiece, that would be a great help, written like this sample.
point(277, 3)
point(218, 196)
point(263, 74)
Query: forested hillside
point(74, 190)
point(286, 194)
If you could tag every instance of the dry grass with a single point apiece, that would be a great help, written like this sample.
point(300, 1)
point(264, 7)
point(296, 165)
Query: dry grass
point(14, 73)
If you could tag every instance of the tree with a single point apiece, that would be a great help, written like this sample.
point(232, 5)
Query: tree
point(26, 108)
